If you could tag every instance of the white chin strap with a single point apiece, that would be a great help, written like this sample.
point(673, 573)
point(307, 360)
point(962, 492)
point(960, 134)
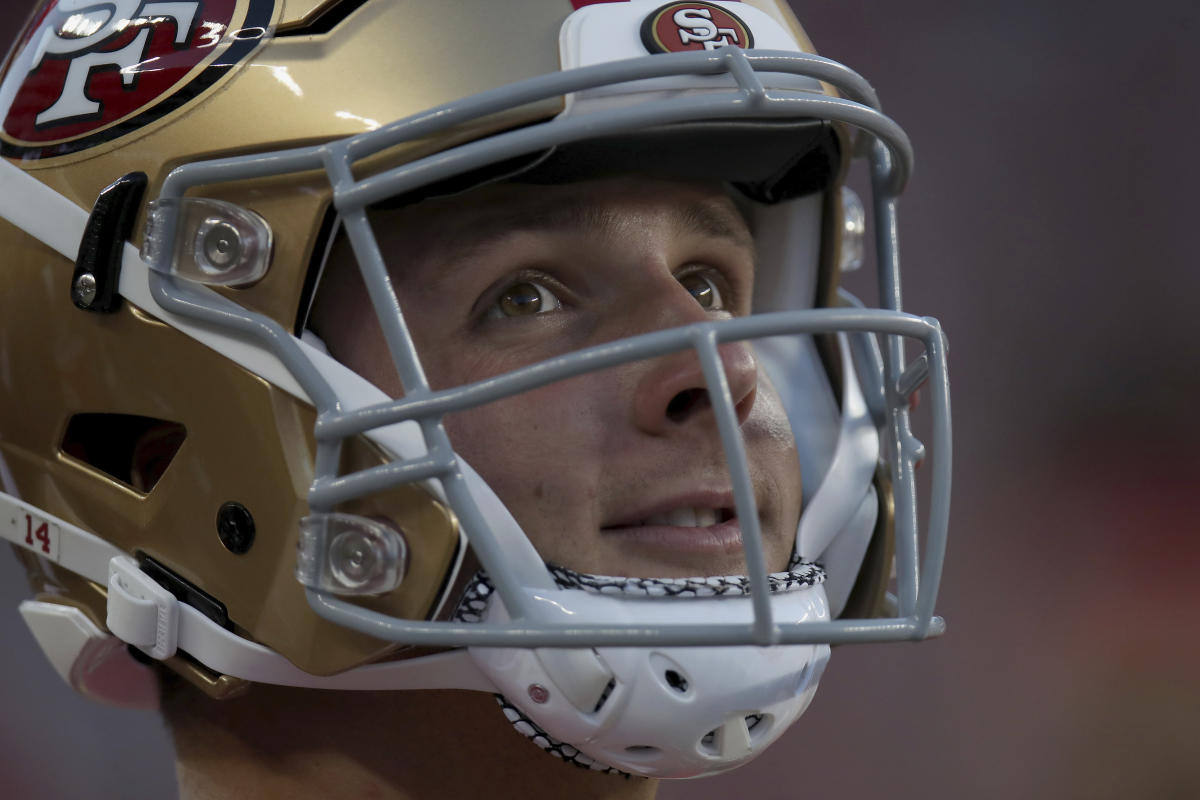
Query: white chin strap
point(662, 712)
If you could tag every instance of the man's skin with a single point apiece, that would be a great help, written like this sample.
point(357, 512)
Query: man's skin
point(279, 743)
point(510, 275)
point(618, 472)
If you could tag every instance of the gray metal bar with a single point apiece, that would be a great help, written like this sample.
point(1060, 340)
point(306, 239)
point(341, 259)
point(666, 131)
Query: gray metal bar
point(215, 310)
point(487, 634)
point(328, 492)
point(649, 345)
point(383, 299)
point(719, 395)
point(941, 465)
point(728, 105)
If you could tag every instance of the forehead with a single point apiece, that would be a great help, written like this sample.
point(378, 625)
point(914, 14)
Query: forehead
point(456, 227)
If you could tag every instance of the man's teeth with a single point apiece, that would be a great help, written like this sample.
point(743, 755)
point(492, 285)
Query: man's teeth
point(685, 518)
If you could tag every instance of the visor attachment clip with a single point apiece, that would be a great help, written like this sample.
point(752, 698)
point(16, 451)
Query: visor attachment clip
point(350, 555)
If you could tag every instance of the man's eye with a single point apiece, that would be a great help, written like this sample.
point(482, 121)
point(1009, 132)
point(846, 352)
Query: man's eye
point(524, 299)
point(703, 289)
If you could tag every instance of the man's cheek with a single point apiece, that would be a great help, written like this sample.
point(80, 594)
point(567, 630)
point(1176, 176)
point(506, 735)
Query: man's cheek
point(518, 441)
point(768, 421)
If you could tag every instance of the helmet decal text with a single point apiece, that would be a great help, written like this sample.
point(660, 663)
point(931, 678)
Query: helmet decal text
point(677, 27)
point(85, 72)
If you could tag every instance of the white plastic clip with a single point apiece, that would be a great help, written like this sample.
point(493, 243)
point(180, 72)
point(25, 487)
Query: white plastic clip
point(140, 611)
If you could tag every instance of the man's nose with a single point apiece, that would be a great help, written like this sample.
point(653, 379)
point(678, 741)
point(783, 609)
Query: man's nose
point(673, 392)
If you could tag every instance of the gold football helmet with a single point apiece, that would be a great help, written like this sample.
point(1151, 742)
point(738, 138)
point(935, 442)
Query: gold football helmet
point(186, 470)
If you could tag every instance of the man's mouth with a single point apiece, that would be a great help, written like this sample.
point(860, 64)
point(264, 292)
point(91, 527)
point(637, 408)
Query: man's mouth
point(689, 517)
point(705, 525)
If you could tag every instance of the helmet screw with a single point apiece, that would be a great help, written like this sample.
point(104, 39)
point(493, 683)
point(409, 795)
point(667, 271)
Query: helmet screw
point(538, 693)
point(222, 245)
point(83, 290)
point(235, 526)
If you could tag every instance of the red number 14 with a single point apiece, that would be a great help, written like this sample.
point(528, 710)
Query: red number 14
point(42, 534)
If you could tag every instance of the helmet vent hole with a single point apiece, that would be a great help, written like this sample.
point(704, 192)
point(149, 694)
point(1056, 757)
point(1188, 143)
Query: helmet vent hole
point(671, 675)
point(642, 751)
point(758, 725)
point(607, 693)
point(131, 449)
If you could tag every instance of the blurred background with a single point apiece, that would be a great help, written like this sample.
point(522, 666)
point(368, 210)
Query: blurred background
point(1050, 227)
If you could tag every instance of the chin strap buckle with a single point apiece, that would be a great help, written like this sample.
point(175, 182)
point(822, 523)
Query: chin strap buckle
point(140, 611)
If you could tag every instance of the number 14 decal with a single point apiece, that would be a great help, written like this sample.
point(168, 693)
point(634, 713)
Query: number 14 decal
point(39, 535)
point(42, 534)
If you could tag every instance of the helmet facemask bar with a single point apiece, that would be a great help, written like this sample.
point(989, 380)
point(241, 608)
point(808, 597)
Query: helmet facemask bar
point(519, 581)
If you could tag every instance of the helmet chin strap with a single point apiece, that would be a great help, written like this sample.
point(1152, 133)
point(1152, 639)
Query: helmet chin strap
point(667, 712)
point(143, 614)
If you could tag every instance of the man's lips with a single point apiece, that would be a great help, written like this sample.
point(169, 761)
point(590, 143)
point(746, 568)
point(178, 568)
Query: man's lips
point(723, 537)
point(660, 510)
point(703, 522)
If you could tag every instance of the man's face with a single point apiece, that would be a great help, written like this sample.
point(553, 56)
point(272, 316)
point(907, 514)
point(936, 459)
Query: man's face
point(617, 472)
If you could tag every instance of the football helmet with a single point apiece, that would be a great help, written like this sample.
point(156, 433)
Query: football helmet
point(188, 471)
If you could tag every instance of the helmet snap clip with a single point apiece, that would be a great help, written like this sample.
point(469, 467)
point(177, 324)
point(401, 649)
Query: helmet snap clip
point(101, 248)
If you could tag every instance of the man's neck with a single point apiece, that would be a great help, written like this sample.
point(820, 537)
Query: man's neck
point(298, 744)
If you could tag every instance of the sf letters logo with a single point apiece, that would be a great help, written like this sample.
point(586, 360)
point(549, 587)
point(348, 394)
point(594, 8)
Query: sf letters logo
point(87, 26)
point(679, 27)
point(696, 25)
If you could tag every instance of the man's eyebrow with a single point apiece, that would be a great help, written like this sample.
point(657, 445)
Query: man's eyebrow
point(710, 217)
point(718, 219)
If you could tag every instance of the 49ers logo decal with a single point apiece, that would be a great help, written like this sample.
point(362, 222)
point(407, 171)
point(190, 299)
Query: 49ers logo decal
point(87, 71)
point(676, 27)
